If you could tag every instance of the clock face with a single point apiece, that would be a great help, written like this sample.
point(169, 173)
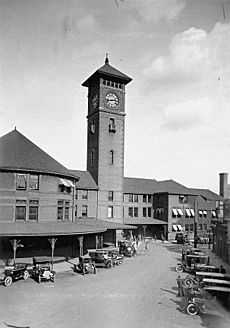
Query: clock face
point(95, 101)
point(111, 100)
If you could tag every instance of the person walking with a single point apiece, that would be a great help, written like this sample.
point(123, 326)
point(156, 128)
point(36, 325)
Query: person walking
point(180, 286)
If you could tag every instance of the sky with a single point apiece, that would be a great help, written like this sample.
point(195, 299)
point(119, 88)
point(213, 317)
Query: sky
point(178, 104)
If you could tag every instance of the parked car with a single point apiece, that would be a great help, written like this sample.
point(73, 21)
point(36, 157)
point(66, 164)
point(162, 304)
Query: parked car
point(86, 265)
point(116, 257)
point(126, 248)
point(14, 272)
point(193, 262)
point(101, 257)
point(42, 269)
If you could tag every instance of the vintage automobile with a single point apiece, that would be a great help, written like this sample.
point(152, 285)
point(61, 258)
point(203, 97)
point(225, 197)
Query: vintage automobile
point(126, 248)
point(101, 257)
point(42, 269)
point(86, 265)
point(116, 257)
point(14, 272)
point(181, 238)
point(193, 262)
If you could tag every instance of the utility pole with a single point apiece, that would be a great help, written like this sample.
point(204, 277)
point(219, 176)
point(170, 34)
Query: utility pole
point(195, 222)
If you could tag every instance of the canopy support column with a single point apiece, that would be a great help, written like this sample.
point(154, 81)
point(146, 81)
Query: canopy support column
point(52, 243)
point(16, 244)
point(80, 239)
point(144, 230)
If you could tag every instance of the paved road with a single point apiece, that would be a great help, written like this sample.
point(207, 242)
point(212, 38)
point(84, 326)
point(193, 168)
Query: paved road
point(141, 293)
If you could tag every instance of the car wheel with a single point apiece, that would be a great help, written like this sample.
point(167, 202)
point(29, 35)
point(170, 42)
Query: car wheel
point(192, 309)
point(8, 281)
point(179, 268)
point(188, 282)
point(108, 265)
point(26, 275)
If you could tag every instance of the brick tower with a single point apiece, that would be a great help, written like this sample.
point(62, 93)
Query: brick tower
point(105, 142)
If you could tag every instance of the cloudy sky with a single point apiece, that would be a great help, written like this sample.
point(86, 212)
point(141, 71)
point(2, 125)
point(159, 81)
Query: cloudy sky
point(178, 104)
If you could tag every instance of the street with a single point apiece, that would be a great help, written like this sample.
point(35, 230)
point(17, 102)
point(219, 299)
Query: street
point(142, 292)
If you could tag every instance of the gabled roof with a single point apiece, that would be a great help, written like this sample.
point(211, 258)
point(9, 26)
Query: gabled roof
point(148, 186)
point(206, 193)
point(107, 71)
point(17, 153)
point(86, 181)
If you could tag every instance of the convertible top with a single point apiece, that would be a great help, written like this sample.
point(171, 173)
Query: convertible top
point(41, 259)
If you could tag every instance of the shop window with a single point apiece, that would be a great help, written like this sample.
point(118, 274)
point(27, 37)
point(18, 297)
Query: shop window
point(21, 181)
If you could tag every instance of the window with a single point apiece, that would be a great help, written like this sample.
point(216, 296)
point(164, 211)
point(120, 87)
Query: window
point(75, 212)
point(135, 212)
point(111, 157)
point(76, 194)
point(200, 226)
point(84, 211)
point(34, 179)
point(130, 212)
point(186, 227)
point(135, 198)
point(110, 196)
point(20, 213)
point(21, 182)
point(84, 194)
point(191, 227)
point(183, 199)
point(149, 198)
point(130, 198)
point(112, 126)
point(149, 212)
point(144, 198)
point(144, 212)
point(33, 210)
point(63, 211)
point(110, 212)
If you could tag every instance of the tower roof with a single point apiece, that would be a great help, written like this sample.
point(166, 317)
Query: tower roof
point(107, 71)
point(17, 153)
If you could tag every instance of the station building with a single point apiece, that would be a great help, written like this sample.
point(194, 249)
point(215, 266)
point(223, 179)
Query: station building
point(43, 203)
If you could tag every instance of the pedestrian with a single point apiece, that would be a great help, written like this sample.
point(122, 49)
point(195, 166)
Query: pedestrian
point(222, 269)
point(155, 237)
point(183, 254)
point(146, 245)
point(180, 286)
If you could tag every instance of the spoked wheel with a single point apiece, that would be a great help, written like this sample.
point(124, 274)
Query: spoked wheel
point(179, 268)
point(26, 275)
point(108, 265)
point(188, 282)
point(8, 281)
point(192, 309)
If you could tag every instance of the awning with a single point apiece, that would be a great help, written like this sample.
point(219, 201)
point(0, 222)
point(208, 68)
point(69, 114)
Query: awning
point(192, 212)
point(174, 227)
point(179, 227)
point(187, 211)
point(26, 229)
point(174, 211)
point(201, 212)
point(213, 214)
point(180, 212)
point(205, 212)
point(66, 183)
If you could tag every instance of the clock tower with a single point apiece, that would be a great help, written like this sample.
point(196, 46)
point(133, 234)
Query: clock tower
point(105, 138)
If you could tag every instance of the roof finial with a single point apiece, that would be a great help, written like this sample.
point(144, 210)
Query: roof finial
point(106, 59)
point(15, 128)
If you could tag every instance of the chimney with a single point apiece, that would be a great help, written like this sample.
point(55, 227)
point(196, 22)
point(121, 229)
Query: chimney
point(224, 185)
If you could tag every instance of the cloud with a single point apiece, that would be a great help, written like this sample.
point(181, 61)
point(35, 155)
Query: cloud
point(154, 10)
point(188, 114)
point(193, 55)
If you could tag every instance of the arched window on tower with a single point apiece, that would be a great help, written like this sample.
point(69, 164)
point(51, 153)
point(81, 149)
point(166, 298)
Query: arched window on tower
point(111, 157)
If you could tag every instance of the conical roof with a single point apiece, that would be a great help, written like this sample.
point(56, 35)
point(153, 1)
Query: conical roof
point(17, 153)
point(107, 71)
